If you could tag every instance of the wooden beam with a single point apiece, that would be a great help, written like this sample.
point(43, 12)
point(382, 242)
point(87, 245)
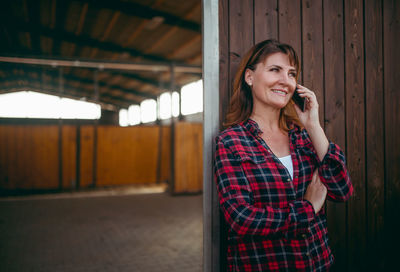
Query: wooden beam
point(62, 35)
point(107, 32)
point(137, 10)
point(60, 15)
point(196, 39)
point(83, 80)
point(80, 25)
point(105, 65)
point(33, 17)
point(139, 28)
point(168, 34)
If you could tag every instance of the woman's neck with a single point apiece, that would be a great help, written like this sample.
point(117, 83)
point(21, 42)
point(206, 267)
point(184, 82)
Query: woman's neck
point(267, 120)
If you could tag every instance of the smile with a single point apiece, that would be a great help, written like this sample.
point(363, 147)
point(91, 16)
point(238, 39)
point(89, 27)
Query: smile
point(281, 92)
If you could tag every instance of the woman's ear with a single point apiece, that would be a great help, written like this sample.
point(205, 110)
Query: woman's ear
point(248, 77)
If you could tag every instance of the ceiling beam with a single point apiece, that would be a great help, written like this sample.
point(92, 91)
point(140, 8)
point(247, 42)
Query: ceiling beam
point(62, 35)
point(105, 65)
point(137, 10)
point(82, 80)
point(61, 8)
point(33, 17)
point(161, 40)
point(140, 27)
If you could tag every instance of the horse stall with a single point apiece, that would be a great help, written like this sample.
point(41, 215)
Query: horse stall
point(69, 157)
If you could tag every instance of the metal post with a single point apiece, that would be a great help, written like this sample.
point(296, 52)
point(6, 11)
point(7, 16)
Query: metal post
point(160, 143)
point(60, 135)
point(172, 174)
point(211, 215)
point(96, 122)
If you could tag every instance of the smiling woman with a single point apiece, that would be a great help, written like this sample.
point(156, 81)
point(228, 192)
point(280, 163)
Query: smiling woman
point(274, 168)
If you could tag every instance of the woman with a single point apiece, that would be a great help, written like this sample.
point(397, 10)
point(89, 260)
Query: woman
point(274, 168)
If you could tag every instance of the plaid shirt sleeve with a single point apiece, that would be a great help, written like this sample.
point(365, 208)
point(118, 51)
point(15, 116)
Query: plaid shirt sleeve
point(332, 171)
point(236, 200)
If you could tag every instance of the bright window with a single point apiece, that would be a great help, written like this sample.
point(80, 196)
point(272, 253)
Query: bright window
point(165, 106)
point(192, 98)
point(134, 115)
point(148, 110)
point(37, 105)
point(123, 118)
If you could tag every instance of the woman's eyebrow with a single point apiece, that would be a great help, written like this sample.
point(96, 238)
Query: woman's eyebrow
point(274, 65)
point(280, 67)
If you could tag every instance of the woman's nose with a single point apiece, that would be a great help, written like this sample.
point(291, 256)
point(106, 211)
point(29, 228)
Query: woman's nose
point(284, 78)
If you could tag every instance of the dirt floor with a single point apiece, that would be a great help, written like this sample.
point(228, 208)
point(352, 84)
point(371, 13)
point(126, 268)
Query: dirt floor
point(101, 232)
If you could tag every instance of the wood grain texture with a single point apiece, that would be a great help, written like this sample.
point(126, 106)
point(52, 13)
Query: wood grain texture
point(69, 156)
point(127, 155)
point(374, 108)
point(29, 157)
point(86, 156)
point(391, 28)
point(265, 20)
point(241, 34)
point(165, 154)
point(335, 118)
point(225, 88)
point(313, 58)
point(290, 24)
point(355, 132)
point(188, 158)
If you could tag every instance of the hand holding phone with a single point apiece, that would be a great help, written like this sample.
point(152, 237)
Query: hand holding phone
point(300, 101)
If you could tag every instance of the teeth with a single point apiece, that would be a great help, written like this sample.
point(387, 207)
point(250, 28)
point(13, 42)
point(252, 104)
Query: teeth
point(280, 92)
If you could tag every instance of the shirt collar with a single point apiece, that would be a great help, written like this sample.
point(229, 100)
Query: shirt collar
point(252, 126)
point(254, 129)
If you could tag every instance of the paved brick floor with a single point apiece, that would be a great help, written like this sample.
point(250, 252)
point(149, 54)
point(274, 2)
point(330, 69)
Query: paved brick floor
point(147, 232)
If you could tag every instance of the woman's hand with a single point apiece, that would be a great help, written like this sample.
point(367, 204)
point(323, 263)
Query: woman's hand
point(316, 192)
point(309, 118)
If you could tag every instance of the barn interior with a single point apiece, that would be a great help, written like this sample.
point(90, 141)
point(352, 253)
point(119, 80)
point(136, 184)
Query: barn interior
point(113, 53)
point(59, 176)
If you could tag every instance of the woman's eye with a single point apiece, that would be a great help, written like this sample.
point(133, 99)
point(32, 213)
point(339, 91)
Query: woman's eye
point(292, 74)
point(274, 69)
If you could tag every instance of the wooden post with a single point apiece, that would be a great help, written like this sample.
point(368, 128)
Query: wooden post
point(211, 215)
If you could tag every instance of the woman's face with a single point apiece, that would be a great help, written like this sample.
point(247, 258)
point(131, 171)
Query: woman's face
point(272, 82)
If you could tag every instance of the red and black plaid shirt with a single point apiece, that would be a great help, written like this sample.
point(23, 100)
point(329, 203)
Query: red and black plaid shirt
point(271, 226)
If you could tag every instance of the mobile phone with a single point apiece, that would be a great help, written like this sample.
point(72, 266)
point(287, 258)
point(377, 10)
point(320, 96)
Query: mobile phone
point(300, 101)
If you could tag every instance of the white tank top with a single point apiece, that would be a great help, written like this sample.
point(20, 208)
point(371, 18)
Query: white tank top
point(288, 163)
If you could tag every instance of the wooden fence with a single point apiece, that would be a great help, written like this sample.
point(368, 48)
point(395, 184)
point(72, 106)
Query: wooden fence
point(79, 156)
point(349, 57)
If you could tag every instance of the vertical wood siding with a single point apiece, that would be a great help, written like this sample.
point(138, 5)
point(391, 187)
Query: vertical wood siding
point(349, 51)
point(30, 157)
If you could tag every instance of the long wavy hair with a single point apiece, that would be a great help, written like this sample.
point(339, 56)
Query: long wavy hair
point(241, 102)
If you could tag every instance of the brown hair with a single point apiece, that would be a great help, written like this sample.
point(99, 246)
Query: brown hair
point(241, 103)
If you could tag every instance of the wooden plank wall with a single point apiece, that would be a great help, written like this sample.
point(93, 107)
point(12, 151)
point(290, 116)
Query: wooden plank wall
point(24, 151)
point(349, 55)
point(188, 157)
point(30, 158)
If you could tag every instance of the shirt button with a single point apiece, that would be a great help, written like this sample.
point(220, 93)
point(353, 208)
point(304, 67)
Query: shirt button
point(296, 177)
point(288, 179)
point(304, 236)
point(307, 254)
